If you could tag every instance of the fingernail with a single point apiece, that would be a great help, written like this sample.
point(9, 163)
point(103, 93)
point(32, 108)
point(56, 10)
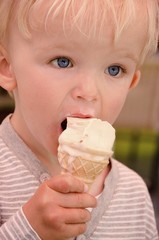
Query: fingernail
point(86, 188)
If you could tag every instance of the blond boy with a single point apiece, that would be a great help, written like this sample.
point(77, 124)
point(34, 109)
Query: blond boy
point(75, 58)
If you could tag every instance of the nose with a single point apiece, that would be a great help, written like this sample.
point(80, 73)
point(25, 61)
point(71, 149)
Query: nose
point(86, 88)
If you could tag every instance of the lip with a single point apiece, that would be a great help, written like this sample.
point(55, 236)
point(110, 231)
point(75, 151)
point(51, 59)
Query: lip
point(79, 115)
point(74, 115)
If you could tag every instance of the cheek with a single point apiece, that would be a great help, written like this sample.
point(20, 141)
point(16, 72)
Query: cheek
point(34, 91)
point(116, 109)
point(34, 101)
point(113, 106)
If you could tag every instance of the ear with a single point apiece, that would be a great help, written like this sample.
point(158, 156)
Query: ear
point(7, 79)
point(135, 79)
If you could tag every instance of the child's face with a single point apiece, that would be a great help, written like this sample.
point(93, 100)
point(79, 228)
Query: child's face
point(58, 76)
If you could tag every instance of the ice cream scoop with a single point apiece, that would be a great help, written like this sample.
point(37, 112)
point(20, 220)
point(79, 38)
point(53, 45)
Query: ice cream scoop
point(85, 147)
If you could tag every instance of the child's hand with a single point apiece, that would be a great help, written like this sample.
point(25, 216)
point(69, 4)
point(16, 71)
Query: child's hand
point(58, 208)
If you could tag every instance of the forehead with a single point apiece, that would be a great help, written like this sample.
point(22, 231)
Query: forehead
point(91, 18)
point(88, 21)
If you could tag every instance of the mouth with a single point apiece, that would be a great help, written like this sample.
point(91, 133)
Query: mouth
point(64, 124)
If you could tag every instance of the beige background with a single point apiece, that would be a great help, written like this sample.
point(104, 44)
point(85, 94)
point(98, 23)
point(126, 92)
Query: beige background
point(142, 105)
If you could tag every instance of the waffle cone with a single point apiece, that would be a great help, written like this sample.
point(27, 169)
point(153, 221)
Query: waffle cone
point(84, 169)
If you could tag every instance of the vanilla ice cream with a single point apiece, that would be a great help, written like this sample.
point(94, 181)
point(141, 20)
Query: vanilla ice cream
point(85, 147)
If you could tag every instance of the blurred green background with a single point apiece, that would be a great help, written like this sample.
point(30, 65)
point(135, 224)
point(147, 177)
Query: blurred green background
point(137, 149)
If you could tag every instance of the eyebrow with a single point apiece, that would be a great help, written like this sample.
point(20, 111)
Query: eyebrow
point(129, 55)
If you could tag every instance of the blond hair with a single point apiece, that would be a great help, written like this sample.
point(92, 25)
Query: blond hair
point(85, 17)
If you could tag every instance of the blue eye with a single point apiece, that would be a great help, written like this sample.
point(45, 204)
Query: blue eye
point(114, 70)
point(62, 62)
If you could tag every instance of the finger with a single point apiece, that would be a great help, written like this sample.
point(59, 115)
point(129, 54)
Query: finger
point(75, 216)
point(68, 231)
point(69, 200)
point(74, 222)
point(76, 200)
point(74, 230)
point(66, 183)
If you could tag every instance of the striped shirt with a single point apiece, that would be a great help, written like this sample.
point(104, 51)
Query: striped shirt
point(124, 209)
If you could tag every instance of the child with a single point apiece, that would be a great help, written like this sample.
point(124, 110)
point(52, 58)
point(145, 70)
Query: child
point(74, 58)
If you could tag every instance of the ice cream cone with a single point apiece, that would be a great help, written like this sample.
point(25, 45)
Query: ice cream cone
point(85, 148)
point(84, 169)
